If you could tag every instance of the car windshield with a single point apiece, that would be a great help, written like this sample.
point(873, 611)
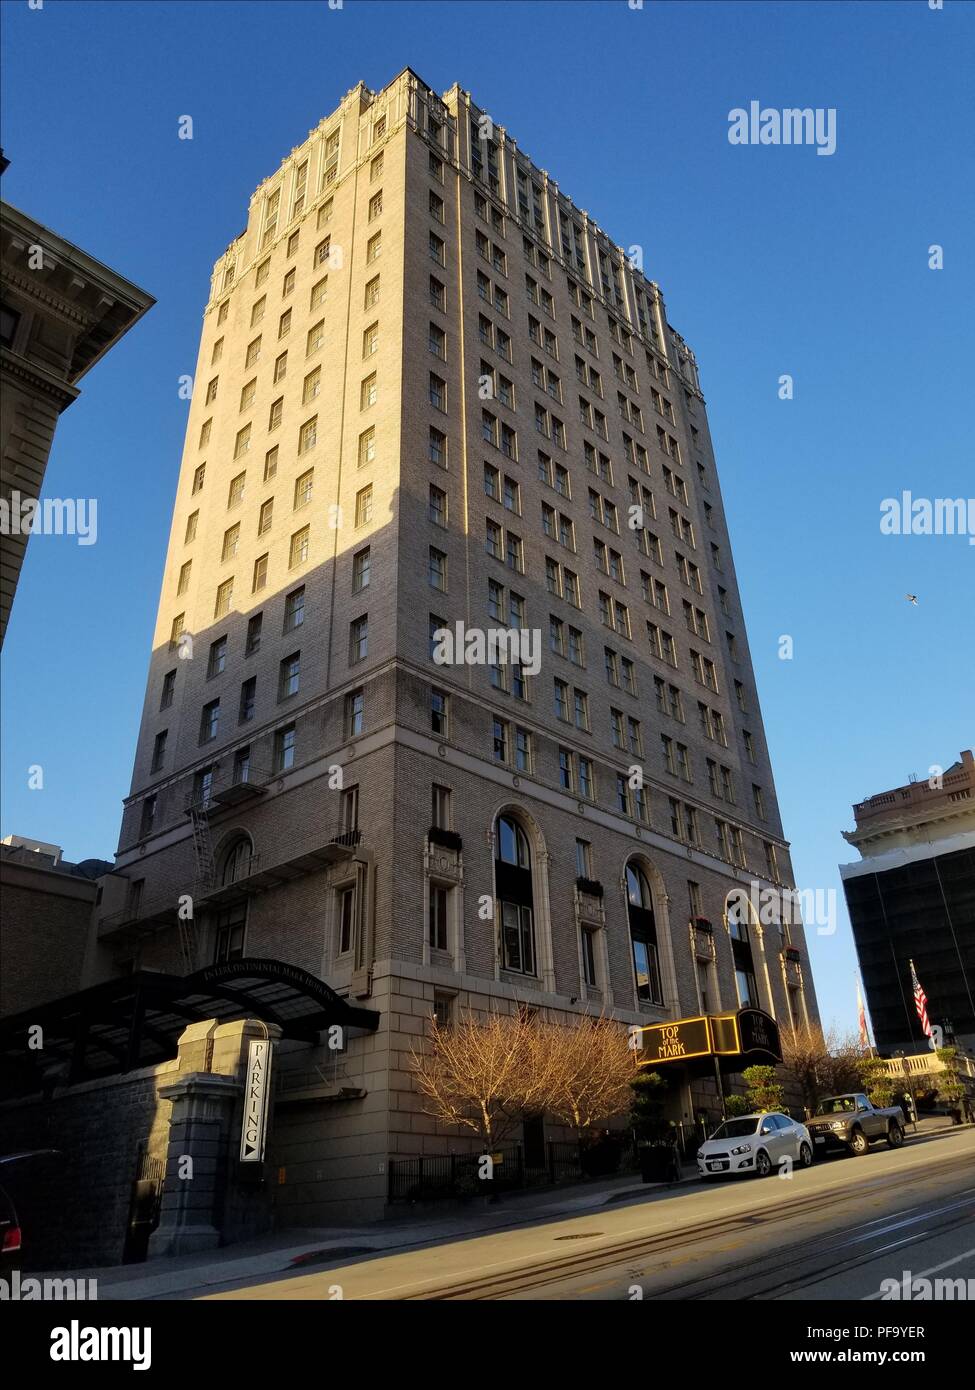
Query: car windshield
point(838, 1105)
point(736, 1129)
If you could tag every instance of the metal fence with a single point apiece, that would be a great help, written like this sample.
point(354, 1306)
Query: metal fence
point(434, 1177)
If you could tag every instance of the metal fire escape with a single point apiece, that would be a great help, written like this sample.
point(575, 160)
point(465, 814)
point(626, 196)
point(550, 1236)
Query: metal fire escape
point(205, 875)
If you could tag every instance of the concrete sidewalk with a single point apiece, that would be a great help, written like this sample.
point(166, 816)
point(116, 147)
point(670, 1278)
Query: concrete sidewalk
point(311, 1247)
point(318, 1247)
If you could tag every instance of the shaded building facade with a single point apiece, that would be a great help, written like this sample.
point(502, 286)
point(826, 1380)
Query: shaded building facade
point(912, 897)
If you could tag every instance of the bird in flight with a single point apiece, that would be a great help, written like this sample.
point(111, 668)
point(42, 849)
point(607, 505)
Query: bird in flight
point(911, 598)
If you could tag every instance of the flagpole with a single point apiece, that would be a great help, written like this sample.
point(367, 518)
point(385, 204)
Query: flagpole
point(862, 1018)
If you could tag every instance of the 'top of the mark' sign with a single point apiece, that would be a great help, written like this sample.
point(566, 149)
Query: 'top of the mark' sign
point(256, 1095)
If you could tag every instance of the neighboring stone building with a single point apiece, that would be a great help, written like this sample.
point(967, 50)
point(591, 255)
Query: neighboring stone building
point(912, 897)
point(430, 391)
point(61, 312)
point(46, 904)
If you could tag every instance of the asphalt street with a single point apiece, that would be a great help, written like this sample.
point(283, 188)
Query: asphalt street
point(835, 1231)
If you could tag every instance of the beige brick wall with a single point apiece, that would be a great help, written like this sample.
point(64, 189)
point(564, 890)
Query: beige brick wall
point(334, 1153)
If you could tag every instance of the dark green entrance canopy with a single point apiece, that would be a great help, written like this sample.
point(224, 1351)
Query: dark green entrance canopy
point(137, 1020)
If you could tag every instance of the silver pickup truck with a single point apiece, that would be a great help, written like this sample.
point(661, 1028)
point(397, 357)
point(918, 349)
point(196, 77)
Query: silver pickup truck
point(851, 1123)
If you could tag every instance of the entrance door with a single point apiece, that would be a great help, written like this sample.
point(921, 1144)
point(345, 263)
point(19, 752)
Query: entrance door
point(533, 1139)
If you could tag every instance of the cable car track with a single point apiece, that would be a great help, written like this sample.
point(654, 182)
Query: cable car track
point(558, 1269)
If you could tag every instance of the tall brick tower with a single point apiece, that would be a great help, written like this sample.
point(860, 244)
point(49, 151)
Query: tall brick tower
point(431, 391)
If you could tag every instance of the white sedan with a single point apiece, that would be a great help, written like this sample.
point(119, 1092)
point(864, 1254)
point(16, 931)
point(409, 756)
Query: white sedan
point(755, 1144)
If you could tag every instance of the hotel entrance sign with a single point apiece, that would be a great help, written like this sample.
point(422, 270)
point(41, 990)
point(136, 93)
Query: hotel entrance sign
point(674, 1042)
point(256, 1095)
point(749, 1033)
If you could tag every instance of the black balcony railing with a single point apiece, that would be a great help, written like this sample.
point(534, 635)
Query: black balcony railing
point(242, 782)
point(258, 871)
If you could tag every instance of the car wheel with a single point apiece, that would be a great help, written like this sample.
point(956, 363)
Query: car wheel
point(805, 1156)
point(895, 1136)
point(859, 1143)
point(763, 1164)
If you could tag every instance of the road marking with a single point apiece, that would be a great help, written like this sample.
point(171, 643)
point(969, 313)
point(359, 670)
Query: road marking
point(946, 1264)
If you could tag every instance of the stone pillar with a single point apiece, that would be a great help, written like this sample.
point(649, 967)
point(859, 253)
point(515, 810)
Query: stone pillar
point(202, 1203)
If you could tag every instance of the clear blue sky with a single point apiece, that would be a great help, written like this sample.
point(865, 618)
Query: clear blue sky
point(772, 260)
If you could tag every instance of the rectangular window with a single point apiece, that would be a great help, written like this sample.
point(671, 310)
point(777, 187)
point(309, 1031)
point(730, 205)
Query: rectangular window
point(284, 748)
point(437, 569)
point(311, 386)
point(230, 539)
point(367, 446)
point(438, 447)
point(438, 712)
point(298, 552)
point(289, 676)
point(439, 897)
point(354, 709)
point(248, 700)
point(358, 639)
point(303, 488)
point(217, 658)
point(360, 570)
point(225, 598)
point(440, 807)
point(437, 510)
point(308, 435)
point(588, 956)
point(159, 751)
point(210, 721)
point(363, 506)
point(294, 609)
point(260, 573)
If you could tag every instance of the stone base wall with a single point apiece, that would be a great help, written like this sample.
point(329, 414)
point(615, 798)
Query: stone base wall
point(74, 1212)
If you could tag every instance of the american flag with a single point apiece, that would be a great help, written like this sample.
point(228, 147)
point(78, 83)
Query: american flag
point(920, 1002)
point(862, 1018)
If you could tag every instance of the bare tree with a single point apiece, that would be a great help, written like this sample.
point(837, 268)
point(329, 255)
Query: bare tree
point(474, 1074)
point(485, 1074)
point(582, 1072)
point(821, 1064)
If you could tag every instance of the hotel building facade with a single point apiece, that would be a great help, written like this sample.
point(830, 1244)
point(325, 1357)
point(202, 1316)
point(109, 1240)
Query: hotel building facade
point(431, 391)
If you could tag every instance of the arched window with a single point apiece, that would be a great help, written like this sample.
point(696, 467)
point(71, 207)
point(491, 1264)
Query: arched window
point(514, 896)
point(643, 935)
point(236, 860)
point(513, 844)
point(736, 911)
point(637, 888)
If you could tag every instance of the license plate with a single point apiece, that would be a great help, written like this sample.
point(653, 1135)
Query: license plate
point(820, 1140)
point(715, 1167)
